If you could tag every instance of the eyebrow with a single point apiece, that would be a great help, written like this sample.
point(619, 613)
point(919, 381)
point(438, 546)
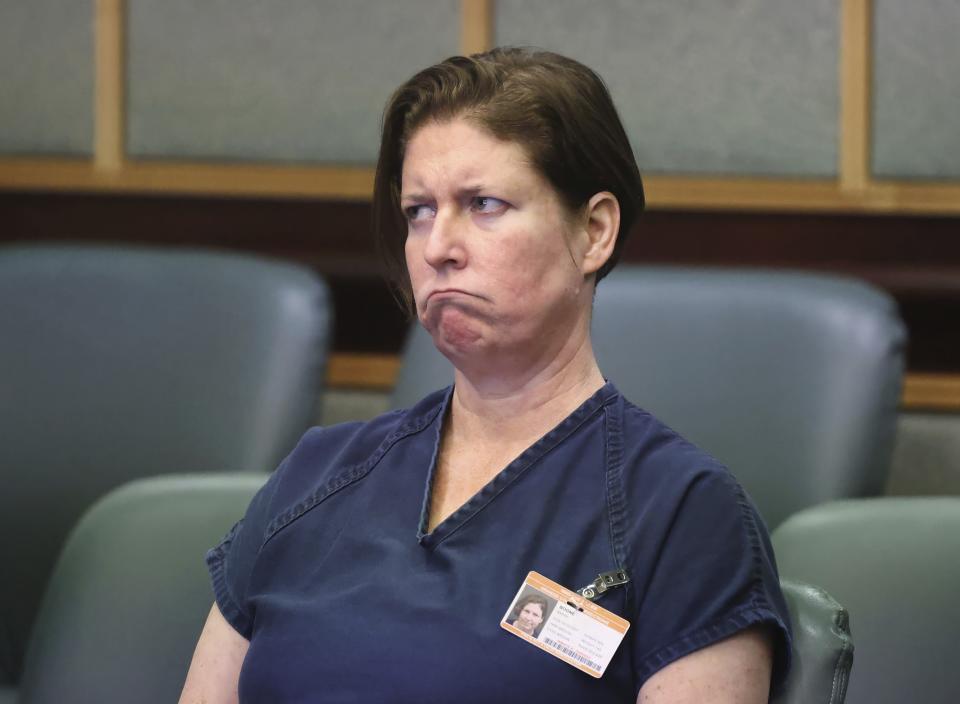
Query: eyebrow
point(412, 197)
point(460, 194)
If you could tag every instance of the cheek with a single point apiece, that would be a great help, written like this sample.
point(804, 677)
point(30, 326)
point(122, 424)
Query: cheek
point(523, 266)
point(536, 266)
point(414, 261)
point(408, 251)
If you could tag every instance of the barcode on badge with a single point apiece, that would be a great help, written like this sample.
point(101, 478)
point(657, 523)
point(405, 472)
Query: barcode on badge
point(573, 654)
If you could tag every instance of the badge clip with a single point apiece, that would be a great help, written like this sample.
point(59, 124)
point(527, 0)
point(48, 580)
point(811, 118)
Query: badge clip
point(603, 582)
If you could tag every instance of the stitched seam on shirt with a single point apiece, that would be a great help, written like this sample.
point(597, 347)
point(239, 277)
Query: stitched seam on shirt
point(616, 492)
point(217, 563)
point(507, 481)
point(575, 425)
point(698, 638)
point(431, 472)
point(347, 477)
point(757, 604)
point(758, 594)
point(749, 526)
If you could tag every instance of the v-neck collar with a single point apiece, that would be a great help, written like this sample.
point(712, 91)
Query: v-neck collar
point(508, 474)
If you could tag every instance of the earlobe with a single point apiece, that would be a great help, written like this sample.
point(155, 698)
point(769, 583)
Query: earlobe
point(601, 225)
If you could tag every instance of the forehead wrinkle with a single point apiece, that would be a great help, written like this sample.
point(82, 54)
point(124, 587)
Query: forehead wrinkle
point(475, 164)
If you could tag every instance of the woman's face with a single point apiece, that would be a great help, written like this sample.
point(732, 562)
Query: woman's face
point(491, 250)
point(530, 617)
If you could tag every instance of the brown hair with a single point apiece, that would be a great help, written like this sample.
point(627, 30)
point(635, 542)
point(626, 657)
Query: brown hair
point(532, 598)
point(558, 109)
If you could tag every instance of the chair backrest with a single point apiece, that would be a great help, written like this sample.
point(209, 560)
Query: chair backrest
point(791, 379)
point(130, 592)
point(121, 363)
point(894, 563)
point(822, 647)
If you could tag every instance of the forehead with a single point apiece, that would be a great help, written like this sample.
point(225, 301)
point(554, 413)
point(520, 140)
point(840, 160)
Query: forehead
point(460, 151)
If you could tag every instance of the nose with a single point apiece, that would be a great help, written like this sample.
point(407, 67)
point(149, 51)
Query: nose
point(445, 246)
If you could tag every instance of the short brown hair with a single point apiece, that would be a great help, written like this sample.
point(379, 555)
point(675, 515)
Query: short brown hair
point(531, 598)
point(559, 110)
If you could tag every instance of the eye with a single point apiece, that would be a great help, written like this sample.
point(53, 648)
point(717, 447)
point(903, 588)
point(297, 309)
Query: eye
point(487, 205)
point(416, 213)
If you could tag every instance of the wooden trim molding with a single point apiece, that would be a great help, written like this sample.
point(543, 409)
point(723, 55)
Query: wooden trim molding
point(110, 170)
point(856, 25)
point(800, 195)
point(476, 26)
point(109, 103)
point(190, 178)
point(672, 192)
point(378, 372)
point(373, 372)
point(355, 183)
point(931, 392)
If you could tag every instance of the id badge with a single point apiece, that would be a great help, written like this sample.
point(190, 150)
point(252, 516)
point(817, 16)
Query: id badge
point(564, 624)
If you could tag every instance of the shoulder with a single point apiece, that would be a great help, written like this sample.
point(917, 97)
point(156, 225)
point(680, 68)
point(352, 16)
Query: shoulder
point(657, 459)
point(680, 497)
point(324, 461)
point(696, 545)
point(328, 458)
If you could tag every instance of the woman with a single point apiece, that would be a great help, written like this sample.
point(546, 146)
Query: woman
point(529, 614)
point(377, 561)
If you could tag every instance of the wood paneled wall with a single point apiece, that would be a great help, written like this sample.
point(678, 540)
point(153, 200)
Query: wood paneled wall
point(900, 233)
point(111, 169)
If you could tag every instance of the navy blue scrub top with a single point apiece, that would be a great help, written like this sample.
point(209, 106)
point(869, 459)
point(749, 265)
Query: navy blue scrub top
point(345, 596)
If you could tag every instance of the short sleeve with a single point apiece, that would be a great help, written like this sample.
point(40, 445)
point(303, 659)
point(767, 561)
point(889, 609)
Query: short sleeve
point(232, 561)
point(714, 575)
point(313, 467)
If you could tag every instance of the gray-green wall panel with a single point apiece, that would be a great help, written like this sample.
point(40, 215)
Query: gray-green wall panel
point(46, 77)
point(916, 89)
point(290, 80)
point(740, 87)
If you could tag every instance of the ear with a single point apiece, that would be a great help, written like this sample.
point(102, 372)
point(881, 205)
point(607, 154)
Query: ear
point(601, 225)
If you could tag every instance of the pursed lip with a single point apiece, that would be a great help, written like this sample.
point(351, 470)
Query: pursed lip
point(442, 292)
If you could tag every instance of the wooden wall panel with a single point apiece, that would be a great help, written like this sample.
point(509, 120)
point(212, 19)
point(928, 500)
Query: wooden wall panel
point(297, 81)
point(732, 88)
point(916, 89)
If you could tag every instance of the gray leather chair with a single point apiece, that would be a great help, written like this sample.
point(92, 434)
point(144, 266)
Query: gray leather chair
point(822, 647)
point(791, 379)
point(894, 563)
point(120, 363)
point(130, 593)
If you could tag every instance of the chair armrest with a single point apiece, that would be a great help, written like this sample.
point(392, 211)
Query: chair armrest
point(822, 647)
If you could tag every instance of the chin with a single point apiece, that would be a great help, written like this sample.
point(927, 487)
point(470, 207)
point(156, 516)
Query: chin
point(457, 346)
point(454, 330)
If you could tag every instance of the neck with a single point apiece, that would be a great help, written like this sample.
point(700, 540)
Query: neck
point(529, 402)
